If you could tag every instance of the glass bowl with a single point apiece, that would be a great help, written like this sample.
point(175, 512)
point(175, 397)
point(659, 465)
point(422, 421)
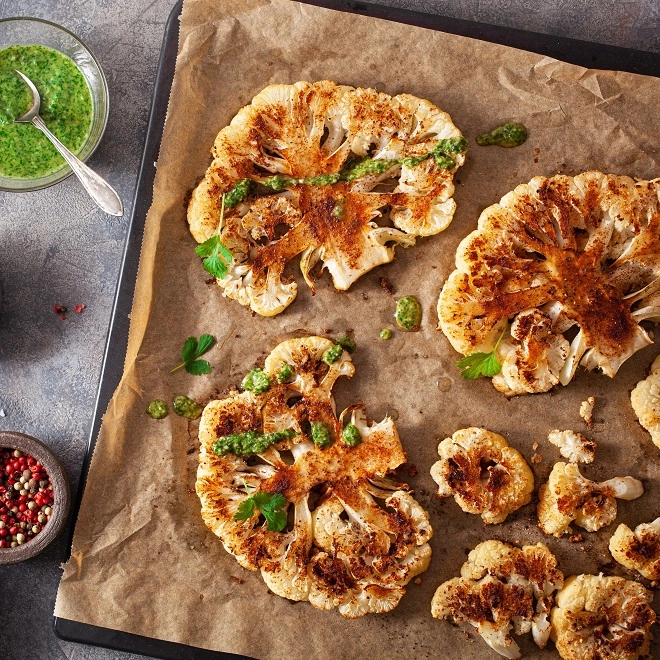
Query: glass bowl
point(35, 31)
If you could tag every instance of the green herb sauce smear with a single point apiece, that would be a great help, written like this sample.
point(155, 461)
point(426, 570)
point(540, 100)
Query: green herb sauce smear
point(507, 135)
point(158, 409)
point(250, 442)
point(66, 107)
point(186, 407)
point(408, 313)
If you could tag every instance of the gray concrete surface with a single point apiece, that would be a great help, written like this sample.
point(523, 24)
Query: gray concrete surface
point(57, 248)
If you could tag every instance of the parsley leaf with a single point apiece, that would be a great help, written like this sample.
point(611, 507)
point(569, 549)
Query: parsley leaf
point(481, 364)
point(215, 256)
point(272, 506)
point(192, 349)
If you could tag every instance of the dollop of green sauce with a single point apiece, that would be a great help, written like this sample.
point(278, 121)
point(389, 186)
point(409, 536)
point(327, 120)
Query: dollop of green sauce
point(285, 373)
point(66, 108)
point(351, 435)
point(347, 343)
point(321, 435)
point(250, 442)
point(408, 313)
point(186, 407)
point(256, 381)
point(442, 153)
point(158, 409)
point(507, 135)
point(386, 333)
point(332, 354)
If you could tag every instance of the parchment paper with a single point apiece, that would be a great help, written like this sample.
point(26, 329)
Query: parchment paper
point(142, 560)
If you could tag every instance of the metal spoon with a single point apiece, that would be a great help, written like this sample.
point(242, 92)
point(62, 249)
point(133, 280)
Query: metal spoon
point(99, 189)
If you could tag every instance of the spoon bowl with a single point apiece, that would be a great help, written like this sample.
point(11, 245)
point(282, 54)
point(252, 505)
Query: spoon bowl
point(103, 194)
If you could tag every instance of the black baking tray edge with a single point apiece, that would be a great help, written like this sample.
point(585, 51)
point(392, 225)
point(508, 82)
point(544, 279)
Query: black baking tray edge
point(582, 53)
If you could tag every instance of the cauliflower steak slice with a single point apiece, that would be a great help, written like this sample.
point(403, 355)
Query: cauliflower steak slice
point(354, 537)
point(602, 617)
point(569, 497)
point(309, 169)
point(502, 588)
point(555, 255)
point(484, 474)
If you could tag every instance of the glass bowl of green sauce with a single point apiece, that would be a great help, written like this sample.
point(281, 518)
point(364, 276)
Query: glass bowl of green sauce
point(74, 102)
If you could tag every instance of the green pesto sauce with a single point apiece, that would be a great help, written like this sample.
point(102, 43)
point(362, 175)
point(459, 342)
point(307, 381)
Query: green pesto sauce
point(386, 333)
point(442, 153)
point(185, 407)
point(347, 343)
point(66, 107)
point(408, 313)
point(285, 373)
point(256, 381)
point(250, 442)
point(321, 435)
point(158, 409)
point(332, 354)
point(507, 135)
point(351, 435)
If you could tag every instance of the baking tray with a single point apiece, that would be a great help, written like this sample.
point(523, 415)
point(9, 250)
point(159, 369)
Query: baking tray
point(582, 53)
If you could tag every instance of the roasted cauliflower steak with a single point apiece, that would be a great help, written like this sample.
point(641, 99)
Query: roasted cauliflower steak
point(354, 536)
point(602, 617)
point(485, 475)
point(569, 497)
point(645, 399)
point(559, 254)
point(502, 588)
point(638, 549)
point(329, 172)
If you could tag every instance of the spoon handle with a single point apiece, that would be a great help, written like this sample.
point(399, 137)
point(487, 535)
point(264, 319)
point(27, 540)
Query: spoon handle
point(99, 189)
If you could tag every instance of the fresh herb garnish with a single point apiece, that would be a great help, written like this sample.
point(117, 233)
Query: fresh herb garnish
point(481, 364)
point(192, 349)
point(272, 506)
point(215, 256)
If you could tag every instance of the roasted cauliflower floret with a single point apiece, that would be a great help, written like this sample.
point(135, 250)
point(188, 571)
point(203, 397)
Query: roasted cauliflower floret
point(573, 446)
point(365, 538)
point(502, 588)
point(638, 550)
point(531, 356)
point(569, 497)
point(645, 399)
point(558, 254)
point(602, 617)
point(484, 474)
point(329, 173)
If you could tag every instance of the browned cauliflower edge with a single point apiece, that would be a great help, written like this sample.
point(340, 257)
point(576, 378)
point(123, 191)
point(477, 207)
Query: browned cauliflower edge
point(484, 474)
point(555, 255)
point(502, 588)
point(573, 446)
point(645, 399)
point(298, 149)
point(570, 497)
point(602, 617)
point(638, 550)
point(354, 537)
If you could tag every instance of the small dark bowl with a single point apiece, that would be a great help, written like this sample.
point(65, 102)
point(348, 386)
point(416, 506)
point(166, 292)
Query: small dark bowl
point(61, 493)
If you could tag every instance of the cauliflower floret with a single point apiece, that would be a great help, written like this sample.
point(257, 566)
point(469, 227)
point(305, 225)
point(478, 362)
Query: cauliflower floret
point(573, 446)
point(532, 357)
point(587, 409)
point(602, 617)
point(292, 154)
point(484, 474)
point(584, 251)
point(365, 539)
point(638, 550)
point(645, 399)
point(502, 588)
point(568, 497)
